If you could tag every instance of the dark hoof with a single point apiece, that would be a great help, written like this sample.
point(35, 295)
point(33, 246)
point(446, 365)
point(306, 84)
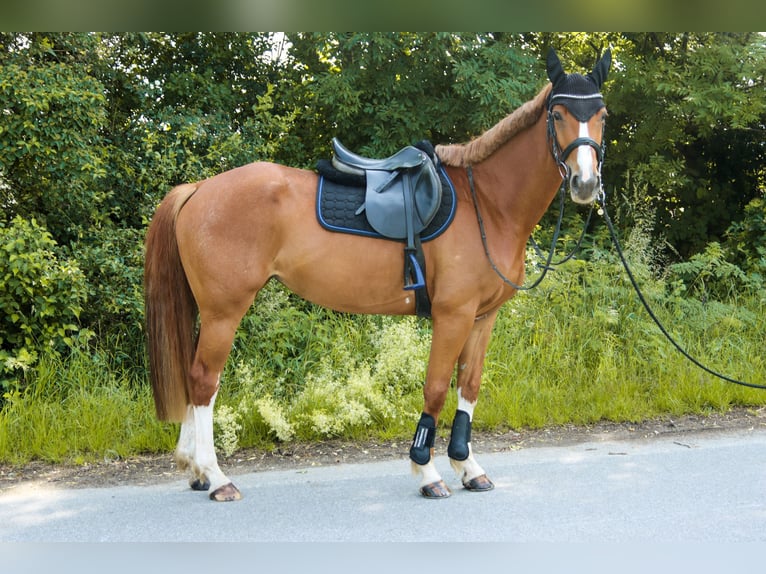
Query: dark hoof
point(435, 490)
point(197, 484)
point(226, 493)
point(479, 484)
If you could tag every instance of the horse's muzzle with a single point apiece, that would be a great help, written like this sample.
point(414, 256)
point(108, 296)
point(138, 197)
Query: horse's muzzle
point(585, 178)
point(584, 190)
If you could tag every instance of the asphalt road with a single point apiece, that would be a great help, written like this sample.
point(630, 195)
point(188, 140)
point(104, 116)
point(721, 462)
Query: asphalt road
point(693, 488)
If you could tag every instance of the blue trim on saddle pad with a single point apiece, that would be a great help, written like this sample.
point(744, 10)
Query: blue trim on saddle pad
point(337, 205)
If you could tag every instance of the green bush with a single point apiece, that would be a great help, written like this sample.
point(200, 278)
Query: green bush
point(112, 261)
point(298, 371)
point(41, 297)
point(710, 274)
point(746, 240)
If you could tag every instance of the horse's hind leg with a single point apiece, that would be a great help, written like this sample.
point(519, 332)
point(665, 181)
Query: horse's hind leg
point(195, 446)
point(470, 366)
point(196, 451)
point(184, 454)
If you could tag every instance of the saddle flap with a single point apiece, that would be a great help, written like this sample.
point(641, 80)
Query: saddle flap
point(385, 199)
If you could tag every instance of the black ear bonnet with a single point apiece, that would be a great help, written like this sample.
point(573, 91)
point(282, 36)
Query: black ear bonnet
point(580, 94)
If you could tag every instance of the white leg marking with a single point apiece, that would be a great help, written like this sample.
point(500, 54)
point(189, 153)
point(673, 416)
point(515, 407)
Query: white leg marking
point(185, 448)
point(468, 468)
point(464, 405)
point(428, 473)
point(205, 459)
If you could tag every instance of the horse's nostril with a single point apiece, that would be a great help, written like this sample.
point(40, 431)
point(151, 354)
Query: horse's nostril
point(575, 182)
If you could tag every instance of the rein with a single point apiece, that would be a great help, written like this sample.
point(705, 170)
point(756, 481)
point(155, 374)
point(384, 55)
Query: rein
point(641, 297)
point(560, 158)
point(575, 249)
point(499, 273)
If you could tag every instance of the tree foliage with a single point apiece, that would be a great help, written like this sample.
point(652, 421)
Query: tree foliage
point(688, 121)
point(53, 154)
point(379, 91)
point(41, 297)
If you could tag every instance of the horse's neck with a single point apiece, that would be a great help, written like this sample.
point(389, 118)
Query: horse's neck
point(519, 181)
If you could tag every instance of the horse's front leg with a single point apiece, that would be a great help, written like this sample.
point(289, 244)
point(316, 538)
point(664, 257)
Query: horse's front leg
point(449, 336)
point(470, 366)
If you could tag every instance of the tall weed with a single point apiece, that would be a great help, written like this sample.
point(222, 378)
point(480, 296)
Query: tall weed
point(79, 408)
point(581, 348)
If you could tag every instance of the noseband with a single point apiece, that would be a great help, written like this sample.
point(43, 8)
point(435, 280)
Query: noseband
point(583, 141)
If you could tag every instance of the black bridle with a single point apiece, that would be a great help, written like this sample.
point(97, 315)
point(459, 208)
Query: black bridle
point(560, 157)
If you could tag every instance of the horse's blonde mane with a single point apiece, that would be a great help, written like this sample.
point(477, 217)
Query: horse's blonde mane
point(481, 147)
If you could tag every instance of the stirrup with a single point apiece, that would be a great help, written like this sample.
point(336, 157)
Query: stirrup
point(412, 268)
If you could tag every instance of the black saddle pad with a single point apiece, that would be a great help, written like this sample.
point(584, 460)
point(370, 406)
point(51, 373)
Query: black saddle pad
point(337, 204)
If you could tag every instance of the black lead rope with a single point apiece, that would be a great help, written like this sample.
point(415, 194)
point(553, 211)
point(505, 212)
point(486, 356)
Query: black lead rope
point(651, 313)
point(577, 246)
point(602, 211)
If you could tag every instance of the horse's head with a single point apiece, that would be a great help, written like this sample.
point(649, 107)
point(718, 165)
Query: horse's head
point(576, 120)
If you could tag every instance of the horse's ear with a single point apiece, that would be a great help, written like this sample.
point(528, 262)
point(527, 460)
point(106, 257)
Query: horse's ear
point(601, 70)
point(555, 71)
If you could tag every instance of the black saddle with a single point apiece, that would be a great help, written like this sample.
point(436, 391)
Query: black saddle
point(405, 158)
point(403, 193)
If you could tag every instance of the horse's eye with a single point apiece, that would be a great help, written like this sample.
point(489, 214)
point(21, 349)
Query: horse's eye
point(557, 116)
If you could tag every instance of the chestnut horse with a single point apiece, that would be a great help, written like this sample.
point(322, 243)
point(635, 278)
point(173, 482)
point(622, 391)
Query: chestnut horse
point(213, 245)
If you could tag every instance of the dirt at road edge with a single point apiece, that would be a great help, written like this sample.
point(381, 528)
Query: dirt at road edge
point(151, 469)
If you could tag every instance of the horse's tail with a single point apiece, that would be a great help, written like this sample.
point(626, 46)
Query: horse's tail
point(170, 309)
